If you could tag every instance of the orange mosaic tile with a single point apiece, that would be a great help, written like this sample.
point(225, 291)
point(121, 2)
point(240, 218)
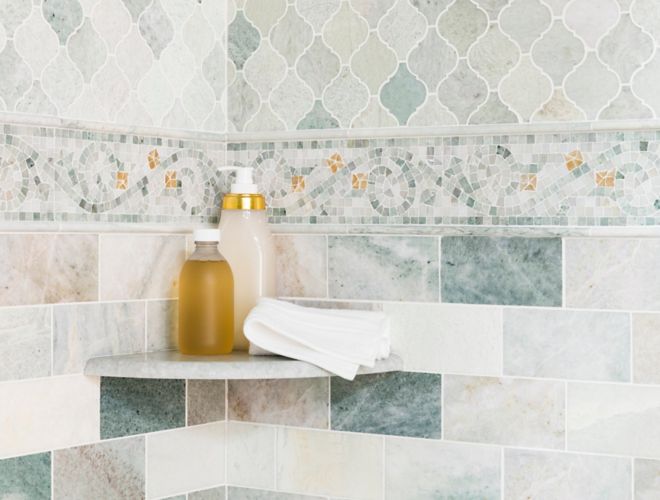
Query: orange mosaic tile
point(359, 182)
point(605, 178)
point(528, 182)
point(298, 183)
point(335, 162)
point(170, 179)
point(573, 160)
point(153, 159)
point(122, 180)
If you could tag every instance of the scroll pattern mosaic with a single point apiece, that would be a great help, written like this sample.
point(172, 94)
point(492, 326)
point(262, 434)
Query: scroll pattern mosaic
point(382, 63)
point(157, 62)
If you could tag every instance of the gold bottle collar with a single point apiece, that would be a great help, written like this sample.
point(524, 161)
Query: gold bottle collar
point(243, 201)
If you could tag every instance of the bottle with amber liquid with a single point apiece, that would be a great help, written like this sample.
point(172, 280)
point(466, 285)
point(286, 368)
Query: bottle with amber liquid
point(206, 299)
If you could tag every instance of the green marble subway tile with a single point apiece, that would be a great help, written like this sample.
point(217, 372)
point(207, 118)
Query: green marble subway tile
point(508, 271)
point(234, 493)
point(206, 401)
point(26, 477)
point(113, 470)
point(383, 268)
point(134, 406)
point(399, 403)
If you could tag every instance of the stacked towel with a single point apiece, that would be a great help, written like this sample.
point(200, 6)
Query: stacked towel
point(339, 341)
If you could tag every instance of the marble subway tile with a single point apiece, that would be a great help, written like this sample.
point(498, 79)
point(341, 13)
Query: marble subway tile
point(140, 266)
point(49, 413)
point(25, 337)
point(614, 418)
point(300, 402)
point(192, 458)
point(647, 479)
point(301, 265)
point(420, 469)
point(47, 268)
point(581, 345)
point(206, 401)
point(134, 406)
point(398, 403)
point(507, 271)
point(113, 470)
point(26, 477)
point(504, 411)
point(553, 475)
point(162, 325)
point(83, 331)
point(383, 268)
point(218, 493)
point(614, 273)
point(251, 455)
point(646, 348)
point(329, 463)
point(234, 493)
point(445, 338)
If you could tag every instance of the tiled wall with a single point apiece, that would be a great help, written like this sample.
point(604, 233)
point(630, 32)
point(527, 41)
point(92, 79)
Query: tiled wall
point(386, 63)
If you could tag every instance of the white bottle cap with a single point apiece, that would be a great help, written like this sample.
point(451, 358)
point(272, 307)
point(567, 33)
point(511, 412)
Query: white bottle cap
point(244, 182)
point(206, 235)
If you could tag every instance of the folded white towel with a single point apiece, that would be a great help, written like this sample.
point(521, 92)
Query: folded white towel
point(338, 341)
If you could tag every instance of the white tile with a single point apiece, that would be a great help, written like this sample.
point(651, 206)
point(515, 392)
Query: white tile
point(565, 476)
point(49, 413)
point(612, 418)
point(423, 469)
point(504, 411)
point(647, 479)
point(447, 338)
point(25, 340)
point(192, 458)
point(646, 348)
point(329, 463)
point(250, 455)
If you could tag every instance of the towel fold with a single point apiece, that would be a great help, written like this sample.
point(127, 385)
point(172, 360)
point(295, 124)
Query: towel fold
point(337, 340)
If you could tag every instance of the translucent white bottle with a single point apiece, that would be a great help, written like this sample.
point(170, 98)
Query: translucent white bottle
point(247, 244)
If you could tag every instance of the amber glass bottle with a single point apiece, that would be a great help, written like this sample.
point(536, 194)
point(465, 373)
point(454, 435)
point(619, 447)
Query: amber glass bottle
point(206, 299)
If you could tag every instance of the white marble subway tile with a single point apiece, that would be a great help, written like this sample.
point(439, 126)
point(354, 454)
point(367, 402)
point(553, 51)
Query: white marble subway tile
point(421, 469)
point(646, 348)
point(565, 476)
point(504, 411)
point(181, 460)
point(301, 265)
point(44, 414)
point(647, 479)
point(162, 324)
point(251, 455)
point(83, 331)
point(614, 418)
point(140, 266)
point(25, 340)
point(443, 338)
point(582, 345)
point(48, 268)
point(615, 273)
point(329, 463)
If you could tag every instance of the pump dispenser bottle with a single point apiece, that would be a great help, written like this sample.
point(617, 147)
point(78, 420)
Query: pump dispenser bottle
point(246, 243)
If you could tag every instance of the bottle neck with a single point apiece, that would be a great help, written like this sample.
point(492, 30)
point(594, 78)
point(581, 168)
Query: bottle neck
point(206, 250)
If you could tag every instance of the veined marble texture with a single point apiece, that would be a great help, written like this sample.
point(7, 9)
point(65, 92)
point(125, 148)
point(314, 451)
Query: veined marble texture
point(440, 470)
point(25, 336)
point(619, 273)
point(210, 494)
point(162, 325)
point(206, 401)
point(567, 344)
point(647, 479)
point(551, 476)
point(111, 470)
point(504, 411)
point(646, 348)
point(302, 265)
point(616, 419)
point(234, 493)
point(251, 455)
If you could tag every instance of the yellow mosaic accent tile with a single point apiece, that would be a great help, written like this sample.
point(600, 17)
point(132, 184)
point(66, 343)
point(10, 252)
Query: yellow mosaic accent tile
point(359, 182)
point(528, 182)
point(298, 183)
point(335, 162)
point(122, 180)
point(573, 160)
point(170, 179)
point(605, 178)
point(153, 159)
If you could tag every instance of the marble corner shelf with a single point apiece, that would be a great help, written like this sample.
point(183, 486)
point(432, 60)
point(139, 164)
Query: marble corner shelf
point(235, 366)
